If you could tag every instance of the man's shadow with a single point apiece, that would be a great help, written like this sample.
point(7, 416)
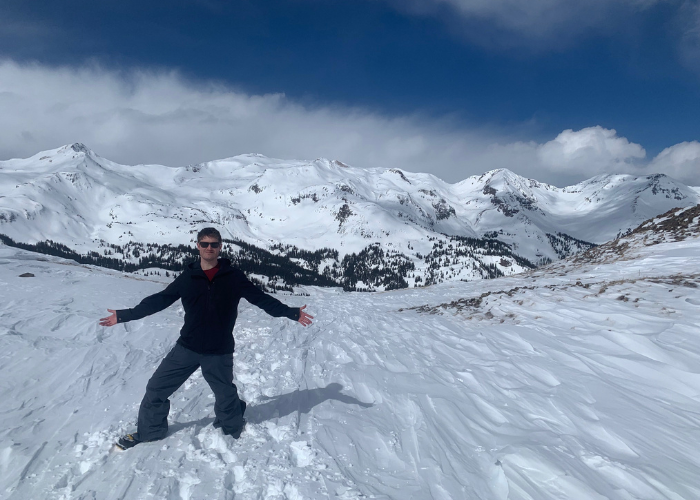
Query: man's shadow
point(301, 401)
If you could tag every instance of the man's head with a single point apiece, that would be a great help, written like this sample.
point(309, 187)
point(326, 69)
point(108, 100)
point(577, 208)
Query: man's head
point(209, 244)
point(209, 231)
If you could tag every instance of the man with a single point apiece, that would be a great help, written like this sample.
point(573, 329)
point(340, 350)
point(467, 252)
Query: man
point(210, 291)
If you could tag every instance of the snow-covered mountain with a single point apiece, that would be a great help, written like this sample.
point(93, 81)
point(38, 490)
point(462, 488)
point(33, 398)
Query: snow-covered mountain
point(578, 380)
point(323, 215)
point(674, 225)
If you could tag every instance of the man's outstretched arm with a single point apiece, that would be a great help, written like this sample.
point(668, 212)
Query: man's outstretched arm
point(150, 305)
point(271, 305)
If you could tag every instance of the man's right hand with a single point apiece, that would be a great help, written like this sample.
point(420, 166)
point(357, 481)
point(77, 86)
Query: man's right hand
point(109, 320)
point(304, 318)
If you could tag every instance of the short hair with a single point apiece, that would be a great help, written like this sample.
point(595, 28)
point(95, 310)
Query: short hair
point(209, 231)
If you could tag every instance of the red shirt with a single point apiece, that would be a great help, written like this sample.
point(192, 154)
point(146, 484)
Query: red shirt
point(211, 272)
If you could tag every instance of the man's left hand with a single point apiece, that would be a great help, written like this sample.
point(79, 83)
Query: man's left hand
point(304, 318)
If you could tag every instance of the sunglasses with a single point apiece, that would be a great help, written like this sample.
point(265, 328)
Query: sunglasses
point(205, 244)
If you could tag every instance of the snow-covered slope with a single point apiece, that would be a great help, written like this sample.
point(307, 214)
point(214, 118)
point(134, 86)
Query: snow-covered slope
point(674, 225)
point(263, 199)
point(596, 210)
point(577, 381)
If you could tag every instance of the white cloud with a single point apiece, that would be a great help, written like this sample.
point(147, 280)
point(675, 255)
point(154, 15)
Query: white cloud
point(570, 157)
point(687, 29)
point(556, 25)
point(594, 150)
point(147, 117)
point(573, 156)
point(681, 162)
point(538, 22)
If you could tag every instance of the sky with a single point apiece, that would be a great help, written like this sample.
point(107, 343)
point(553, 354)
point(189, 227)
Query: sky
point(555, 90)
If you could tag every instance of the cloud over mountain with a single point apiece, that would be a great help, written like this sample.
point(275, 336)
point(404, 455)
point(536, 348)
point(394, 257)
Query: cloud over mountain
point(596, 151)
point(681, 161)
point(160, 117)
point(596, 148)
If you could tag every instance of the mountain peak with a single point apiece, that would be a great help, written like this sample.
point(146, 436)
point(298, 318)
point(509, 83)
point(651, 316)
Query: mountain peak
point(497, 173)
point(504, 179)
point(506, 176)
point(79, 147)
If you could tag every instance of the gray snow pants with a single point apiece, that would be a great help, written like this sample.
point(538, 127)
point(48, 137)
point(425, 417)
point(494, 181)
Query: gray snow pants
point(173, 371)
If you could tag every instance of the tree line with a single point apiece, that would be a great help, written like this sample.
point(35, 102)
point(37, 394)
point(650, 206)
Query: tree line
point(285, 266)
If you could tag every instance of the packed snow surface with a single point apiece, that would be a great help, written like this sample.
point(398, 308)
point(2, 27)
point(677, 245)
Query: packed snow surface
point(570, 382)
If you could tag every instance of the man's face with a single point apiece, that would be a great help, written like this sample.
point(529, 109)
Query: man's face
point(209, 253)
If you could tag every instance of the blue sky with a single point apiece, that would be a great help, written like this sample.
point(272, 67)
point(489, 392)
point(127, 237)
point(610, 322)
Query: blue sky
point(452, 87)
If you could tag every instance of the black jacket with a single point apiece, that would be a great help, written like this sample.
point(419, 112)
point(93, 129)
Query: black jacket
point(211, 307)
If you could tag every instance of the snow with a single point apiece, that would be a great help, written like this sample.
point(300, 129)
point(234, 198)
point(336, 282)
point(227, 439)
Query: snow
point(264, 200)
point(572, 381)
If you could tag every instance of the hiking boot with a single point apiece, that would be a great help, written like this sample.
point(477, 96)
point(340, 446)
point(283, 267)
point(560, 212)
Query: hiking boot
point(129, 441)
point(235, 434)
